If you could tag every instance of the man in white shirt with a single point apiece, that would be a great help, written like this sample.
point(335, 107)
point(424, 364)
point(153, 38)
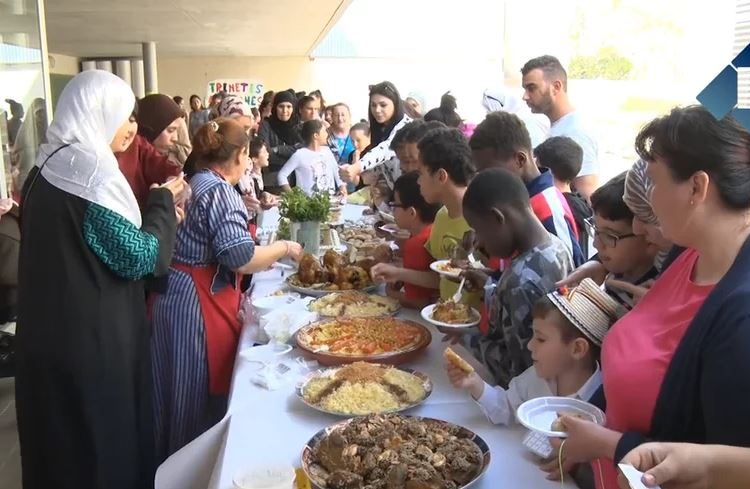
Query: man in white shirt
point(314, 165)
point(545, 85)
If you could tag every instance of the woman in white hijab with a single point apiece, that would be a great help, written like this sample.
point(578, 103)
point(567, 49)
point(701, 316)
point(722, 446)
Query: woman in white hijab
point(83, 383)
point(503, 99)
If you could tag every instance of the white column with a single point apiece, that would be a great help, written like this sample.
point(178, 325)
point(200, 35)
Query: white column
point(88, 65)
point(122, 69)
point(138, 84)
point(105, 65)
point(150, 76)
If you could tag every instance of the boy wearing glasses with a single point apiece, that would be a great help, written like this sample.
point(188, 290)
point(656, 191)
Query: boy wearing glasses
point(626, 256)
point(413, 214)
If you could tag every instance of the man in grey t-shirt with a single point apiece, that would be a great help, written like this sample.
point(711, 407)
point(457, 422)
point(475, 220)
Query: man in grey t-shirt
point(545, 85)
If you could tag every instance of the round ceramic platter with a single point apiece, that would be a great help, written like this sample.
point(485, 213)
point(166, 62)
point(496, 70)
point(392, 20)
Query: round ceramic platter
point(390, 358)
point(443, 268)
point(318, 292)
point(427, 316)
point(392, 313)
point(539, 414)
point(426, 384)
point(325, 432)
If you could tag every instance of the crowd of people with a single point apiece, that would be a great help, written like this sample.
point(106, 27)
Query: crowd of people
point(630, 294)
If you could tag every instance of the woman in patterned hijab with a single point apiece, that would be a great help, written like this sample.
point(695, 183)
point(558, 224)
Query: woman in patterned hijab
point(638, 187)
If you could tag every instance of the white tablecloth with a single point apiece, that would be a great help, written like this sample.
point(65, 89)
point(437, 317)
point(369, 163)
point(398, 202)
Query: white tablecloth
point(264, 426)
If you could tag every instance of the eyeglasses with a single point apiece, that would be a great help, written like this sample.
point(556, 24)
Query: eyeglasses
point(610, 240)
point(394, 205)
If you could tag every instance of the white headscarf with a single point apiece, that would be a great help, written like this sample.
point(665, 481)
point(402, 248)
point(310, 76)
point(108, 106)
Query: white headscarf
point(494, 100)
point(91, 109)
point(504, 99)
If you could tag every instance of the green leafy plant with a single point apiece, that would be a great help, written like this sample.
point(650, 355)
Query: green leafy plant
point(299, 207)
point(284, 231)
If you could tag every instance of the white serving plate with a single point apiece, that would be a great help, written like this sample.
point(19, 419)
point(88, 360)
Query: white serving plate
point(427, 316)
point(435, 267)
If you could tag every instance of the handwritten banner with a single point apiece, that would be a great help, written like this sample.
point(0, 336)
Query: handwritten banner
point(250, 91)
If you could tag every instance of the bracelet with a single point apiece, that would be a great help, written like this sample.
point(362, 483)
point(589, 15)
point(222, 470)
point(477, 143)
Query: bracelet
point(286, 243)
point(560, 463)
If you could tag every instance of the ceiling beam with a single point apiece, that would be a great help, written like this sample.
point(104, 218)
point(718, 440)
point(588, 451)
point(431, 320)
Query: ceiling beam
point(17, 24)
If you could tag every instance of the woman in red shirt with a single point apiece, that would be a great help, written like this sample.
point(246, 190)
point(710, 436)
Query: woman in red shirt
point(677, 367)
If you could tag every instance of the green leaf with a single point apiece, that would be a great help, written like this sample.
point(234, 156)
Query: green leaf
point(299, 207)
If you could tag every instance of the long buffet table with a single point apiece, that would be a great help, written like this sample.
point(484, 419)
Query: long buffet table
point(272, 426)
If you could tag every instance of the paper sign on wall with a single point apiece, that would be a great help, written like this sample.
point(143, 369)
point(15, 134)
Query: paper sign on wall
point(250, 91)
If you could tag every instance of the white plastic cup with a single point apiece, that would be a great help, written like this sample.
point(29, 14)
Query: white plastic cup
point(266, 477)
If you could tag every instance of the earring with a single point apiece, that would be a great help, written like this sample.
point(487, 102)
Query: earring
point(692, 202)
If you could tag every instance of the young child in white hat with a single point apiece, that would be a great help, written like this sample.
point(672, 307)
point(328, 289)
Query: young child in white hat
point(569, 327)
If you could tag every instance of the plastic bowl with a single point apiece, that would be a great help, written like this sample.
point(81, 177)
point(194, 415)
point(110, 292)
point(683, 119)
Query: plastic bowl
point(264, 305)
point(265, 477)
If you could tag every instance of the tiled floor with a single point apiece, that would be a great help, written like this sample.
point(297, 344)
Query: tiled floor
point(10, 459)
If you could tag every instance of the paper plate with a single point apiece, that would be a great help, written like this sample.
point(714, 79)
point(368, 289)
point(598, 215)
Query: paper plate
point(265, 353)
point(386, 217)
point(538, 414)
point(427, 316)
point(391, 228)
point(443, 267)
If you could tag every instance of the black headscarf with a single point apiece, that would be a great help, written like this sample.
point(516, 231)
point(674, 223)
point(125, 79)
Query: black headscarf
point(380, 132)
point(285, 130)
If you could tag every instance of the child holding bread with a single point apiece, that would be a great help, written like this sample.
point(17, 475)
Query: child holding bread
point(569, 328)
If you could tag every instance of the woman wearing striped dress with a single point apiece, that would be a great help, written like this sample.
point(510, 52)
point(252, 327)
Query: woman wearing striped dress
point(195, 324)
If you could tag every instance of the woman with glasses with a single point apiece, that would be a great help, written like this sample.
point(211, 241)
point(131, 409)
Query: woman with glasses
point(677, 367)
point(386, 117)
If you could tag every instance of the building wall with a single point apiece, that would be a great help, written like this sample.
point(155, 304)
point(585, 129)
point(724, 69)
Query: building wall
point(341, 79)
point(64, 65)
point(186, 76)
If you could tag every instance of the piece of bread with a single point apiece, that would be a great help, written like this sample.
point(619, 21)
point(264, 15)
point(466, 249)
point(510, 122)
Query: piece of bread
point(454, 358)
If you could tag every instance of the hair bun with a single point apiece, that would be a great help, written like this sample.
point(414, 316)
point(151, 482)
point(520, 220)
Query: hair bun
point(448, 102)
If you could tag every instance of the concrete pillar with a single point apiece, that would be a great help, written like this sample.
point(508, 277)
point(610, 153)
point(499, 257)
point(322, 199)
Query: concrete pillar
point(149, 68)
point(136, 71)
point(105, 65)
point(88, 65)
point(122, 69)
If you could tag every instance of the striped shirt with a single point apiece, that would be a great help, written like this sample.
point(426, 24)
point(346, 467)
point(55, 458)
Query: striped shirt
point(550, 206)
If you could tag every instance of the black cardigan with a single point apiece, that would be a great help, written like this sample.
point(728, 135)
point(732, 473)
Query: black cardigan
point(705, 395)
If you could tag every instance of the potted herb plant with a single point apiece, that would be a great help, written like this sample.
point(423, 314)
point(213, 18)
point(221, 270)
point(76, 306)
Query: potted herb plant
point(305, 214)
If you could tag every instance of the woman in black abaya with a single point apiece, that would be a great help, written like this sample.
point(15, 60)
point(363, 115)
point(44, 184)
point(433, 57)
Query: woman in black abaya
point(83, 384)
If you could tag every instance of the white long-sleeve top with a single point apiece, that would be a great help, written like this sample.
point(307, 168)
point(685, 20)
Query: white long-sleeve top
point(314, 170)
point(500, 405)
point(382, 158)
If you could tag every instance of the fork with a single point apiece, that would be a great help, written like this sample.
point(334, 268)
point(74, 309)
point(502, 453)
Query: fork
point(457, 296)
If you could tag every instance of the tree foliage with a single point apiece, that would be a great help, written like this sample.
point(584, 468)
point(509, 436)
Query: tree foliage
point(607, 64)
